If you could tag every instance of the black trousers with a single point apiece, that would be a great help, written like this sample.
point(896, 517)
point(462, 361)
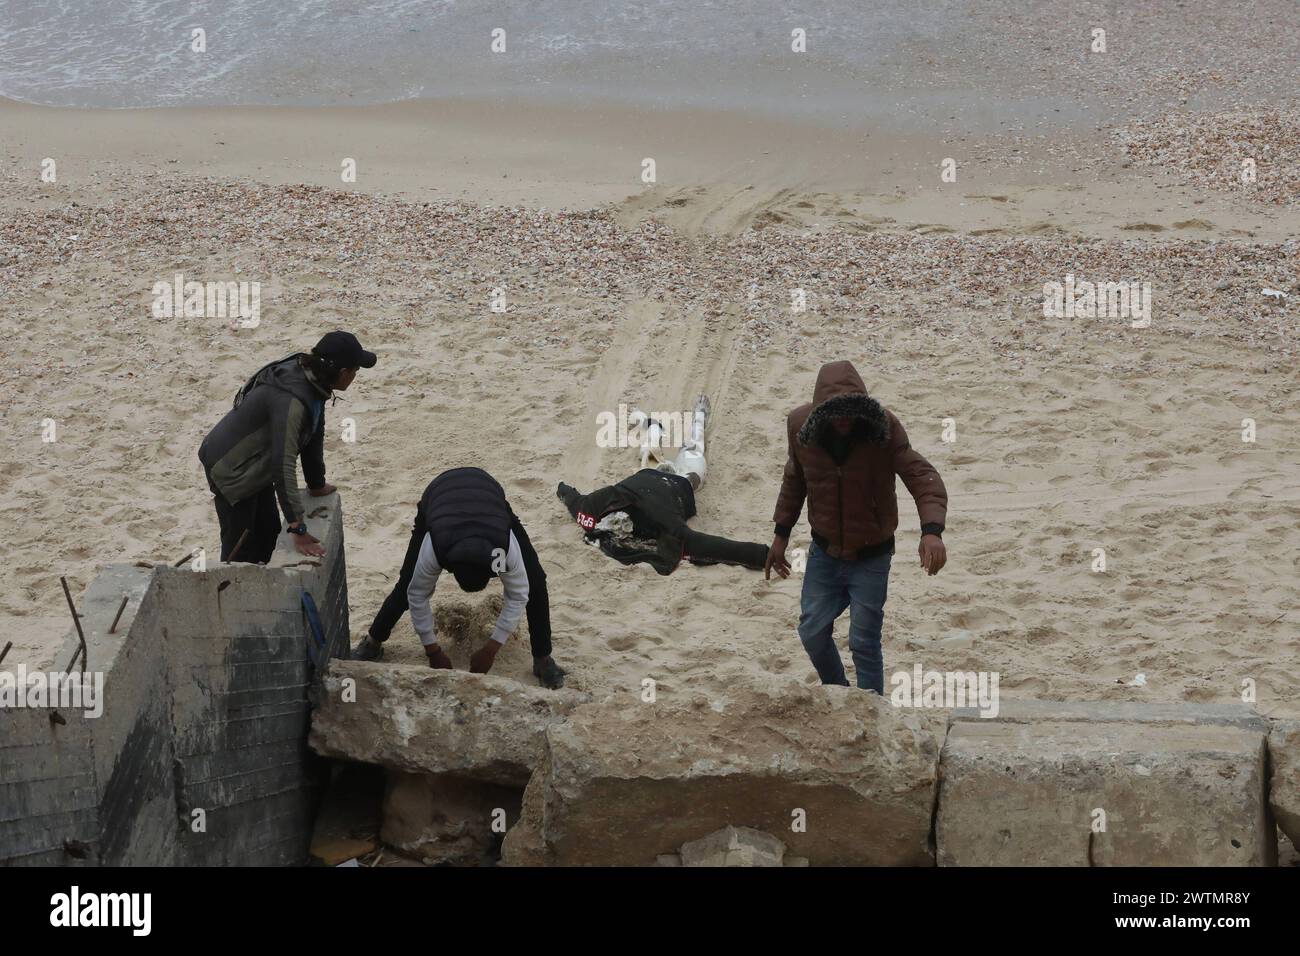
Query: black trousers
point(259, 515)
point(538, 610)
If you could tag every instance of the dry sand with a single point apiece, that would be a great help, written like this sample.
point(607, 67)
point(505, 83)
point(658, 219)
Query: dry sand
point(1072, 434)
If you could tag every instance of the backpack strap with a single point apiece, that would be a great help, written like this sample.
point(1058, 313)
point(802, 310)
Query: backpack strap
point(248, 386)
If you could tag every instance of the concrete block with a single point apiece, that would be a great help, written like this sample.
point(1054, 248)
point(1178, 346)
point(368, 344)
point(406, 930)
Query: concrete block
point(206, 675)
point(446, 819)
point(47, 789)
point(841, 775)
point(1117, 711)
point(734, 846)
point(1284, 788)
point(420, 720)
point(1172, 794)
point(97, 606)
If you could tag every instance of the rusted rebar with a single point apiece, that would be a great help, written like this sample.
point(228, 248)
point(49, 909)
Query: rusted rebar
point(118, 616)
point(238, 544)
point(76, 619)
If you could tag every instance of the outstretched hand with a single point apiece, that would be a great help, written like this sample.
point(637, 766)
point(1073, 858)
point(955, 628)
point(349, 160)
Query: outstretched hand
point(933, 553)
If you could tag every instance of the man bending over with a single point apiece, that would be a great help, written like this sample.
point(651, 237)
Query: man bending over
point(465, 525)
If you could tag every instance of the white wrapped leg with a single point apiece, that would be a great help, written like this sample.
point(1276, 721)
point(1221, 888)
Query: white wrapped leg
point(691, 457)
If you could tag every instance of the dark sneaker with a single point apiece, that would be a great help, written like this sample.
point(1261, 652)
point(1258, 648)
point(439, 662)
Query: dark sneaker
point(368, 649)
point(548, 672)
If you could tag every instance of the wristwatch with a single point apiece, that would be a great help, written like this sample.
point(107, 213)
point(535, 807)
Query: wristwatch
point(299, 528)
point(932, 528)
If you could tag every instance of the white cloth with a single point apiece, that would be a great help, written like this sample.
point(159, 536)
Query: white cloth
point(617, 523)
point(514, 579)
point(690, 459)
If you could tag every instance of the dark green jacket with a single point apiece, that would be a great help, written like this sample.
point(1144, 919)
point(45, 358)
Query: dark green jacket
point(277, 417)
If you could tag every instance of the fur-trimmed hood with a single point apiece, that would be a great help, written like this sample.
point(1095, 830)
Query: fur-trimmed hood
point(840, 393)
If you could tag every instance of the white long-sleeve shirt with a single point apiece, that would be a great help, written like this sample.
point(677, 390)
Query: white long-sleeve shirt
point(425, 578)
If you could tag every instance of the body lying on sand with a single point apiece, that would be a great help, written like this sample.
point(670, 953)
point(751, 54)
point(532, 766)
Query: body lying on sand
point(844, 452)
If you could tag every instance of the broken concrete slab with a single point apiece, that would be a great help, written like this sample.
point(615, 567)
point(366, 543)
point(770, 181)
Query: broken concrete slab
point(734, 846)
point(1072, 793)
point(420, 720)
point(1284, 788)
point(623, 781)
point(447, 820)
point(1118, 711)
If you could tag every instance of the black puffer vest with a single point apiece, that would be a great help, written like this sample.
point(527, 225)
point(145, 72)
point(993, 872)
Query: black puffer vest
point(465, 512)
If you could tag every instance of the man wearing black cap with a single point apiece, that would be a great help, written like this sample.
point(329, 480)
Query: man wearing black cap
point(465, 525)
point(251, 456)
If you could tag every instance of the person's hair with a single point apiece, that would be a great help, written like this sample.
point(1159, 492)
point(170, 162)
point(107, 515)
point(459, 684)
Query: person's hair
point(324, 370)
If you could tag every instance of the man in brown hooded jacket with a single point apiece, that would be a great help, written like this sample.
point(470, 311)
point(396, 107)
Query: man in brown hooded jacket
point(844, 450)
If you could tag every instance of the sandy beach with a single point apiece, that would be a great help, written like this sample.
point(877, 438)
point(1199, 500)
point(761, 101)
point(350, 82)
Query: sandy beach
point(1072, 434)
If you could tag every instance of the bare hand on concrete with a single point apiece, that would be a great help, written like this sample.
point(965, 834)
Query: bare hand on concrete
point(437, 659)
point(322, 491)
point(308, 545)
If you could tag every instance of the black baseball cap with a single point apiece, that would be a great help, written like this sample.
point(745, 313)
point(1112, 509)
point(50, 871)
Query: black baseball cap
point(343, 349)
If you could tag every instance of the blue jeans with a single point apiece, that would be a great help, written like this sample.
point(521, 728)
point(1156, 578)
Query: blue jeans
point(829, 586)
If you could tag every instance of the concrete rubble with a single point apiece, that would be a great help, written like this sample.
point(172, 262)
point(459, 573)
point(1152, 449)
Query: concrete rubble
point(734, 846)
point(446, 819)
point(781, 773)
point(1284, 788)
point(623, 782)
point(415, 719)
